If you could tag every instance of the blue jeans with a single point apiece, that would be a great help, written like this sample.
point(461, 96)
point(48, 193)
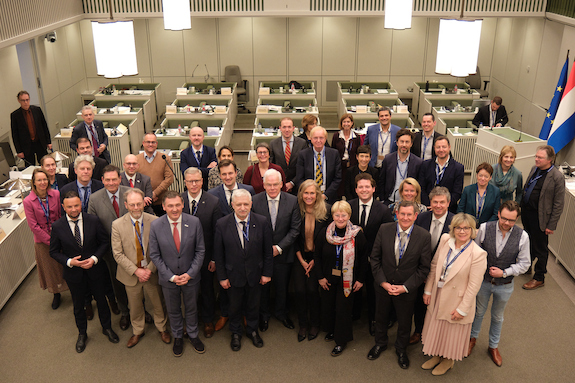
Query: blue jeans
point(501, 295)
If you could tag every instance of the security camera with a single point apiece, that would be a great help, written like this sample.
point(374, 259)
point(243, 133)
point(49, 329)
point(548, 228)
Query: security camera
point(51, 37)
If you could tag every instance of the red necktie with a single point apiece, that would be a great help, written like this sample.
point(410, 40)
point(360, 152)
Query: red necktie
point(176, 236)
point(116, 207)
point(287, 153)
point(131, 183)
point(94, 141)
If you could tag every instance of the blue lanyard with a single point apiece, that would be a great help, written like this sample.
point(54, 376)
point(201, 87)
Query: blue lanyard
point(46, 209)
point(86, 195)
point(539, 176)
point(402, 249)
point(195, 209)
point(55, 185)
point(246, 232)
point(439, 172)
point(402, 176)
point(338, 249)
point(195, 156)
point(140, 236)
point(384, 142)
point(425, 142)
point(450, 262)
point(480, 200)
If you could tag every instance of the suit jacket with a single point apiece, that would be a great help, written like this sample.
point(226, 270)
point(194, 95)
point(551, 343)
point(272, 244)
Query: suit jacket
point(219, 192)
point(80, 131)
point(453, 176)
point(63, 246)
point(73, 186)
point(243, 265)
point(288, 222)
point(97, 173)
point(101, 205)
point(482, 116)
point(338, 142)
point(350, 180)
point(551, 200)
point(124, 249)
point(208, 212)
point(319, 225)
point(387, 173)
point(21, 134)
point(424, 220)
point(490, 207)
point(413, 267)
point(416, 147)
point(37, 219)
point(62, 180)
point(378, 215)
point(372, 139)
point(332, 178)
point(277, 156)
point(188, 160)
point(143, 183)
point(462, 283)
point(166, 257)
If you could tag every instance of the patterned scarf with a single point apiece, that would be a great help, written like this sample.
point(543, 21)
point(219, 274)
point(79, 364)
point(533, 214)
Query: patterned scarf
point(348, 242)
point(505, 182)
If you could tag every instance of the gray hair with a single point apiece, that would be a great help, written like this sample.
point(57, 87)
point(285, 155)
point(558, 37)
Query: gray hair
point(241, 193)
point(192, 170)
point(440, 191)
point(84, 157)
point(87, 107)
point(131, 191)
point(271, 173)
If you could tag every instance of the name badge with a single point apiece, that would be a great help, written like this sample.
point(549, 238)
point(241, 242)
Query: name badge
point(336, 272)
point(144, 263)
point(440, 284)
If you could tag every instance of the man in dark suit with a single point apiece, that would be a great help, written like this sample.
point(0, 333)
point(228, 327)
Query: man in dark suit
point(207, 208)
point(92, 130)
point(177, 249)
point(132, 178)
point(80, 252)
point(285, 151)
point(397, 166)
point(282, 209)
point(84, 185)
point(370, 215)
point(228, 173)
point(424, 140)
point(400, 262)
point(363, 158)
point(321, 164)
point(436, 222)
point(198, 155)
point(84, 146)
point(493, 114)
point(445, 171)
point(30, 133)
point(381, 137)
point(244, 262)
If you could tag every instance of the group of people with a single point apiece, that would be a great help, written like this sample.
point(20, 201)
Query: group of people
point(423, 248)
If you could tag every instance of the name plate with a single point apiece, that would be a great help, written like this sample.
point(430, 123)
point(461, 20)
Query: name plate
point(171, 109)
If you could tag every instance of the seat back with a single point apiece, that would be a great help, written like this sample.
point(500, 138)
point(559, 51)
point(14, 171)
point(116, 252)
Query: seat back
point(232, 74)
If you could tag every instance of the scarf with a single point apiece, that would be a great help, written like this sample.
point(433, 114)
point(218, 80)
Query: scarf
point(348, 242)
point(505, 183)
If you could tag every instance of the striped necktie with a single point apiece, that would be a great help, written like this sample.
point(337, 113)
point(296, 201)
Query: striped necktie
point(319, 171)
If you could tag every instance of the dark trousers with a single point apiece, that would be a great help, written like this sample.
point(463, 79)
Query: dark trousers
point(107, 285)
point(79, 290)
point(207, 294)
point(35, 151)
point(358, 300)
point(173, 297)
point(336, 311)
point(538, 242)
point(419, 310)
point(307, 299)
point(117, 286)
point(244, 299)
point(403, 305)
point(280, 281)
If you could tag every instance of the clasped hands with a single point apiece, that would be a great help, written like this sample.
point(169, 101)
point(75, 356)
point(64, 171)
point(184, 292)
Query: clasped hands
point(393, 289)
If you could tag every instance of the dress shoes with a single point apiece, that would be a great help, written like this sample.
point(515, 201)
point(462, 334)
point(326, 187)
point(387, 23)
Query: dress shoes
point(178, 348)
point(198, 345)
point(264, 325)
point(114, 307)
point(236, 343)
point(56, 301)
point(415, 338)
point(375, 352)
point(112, 336)
point(209, 330)
point(221, 323)
point(402, 360)
point(495, 356)
point(134, 339)
point(337, 350)
point(124, 322)
point(89, 311)
point(372, 328)
point(472, 342)
point(301, 334)
point(443, 367)
point(166, 337)
point(288, 323)
point(256, 339)
point(328, 337)
point(81, 343)
point(533, 284)
point(148, 317)
point(313, 332)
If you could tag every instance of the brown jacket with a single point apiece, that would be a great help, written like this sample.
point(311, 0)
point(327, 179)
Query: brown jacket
point(551, 200)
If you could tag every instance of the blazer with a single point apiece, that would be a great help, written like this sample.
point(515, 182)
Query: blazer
point(73, 186)
point(208, 212)
point(332, 178)
point(254, 178)
point(243, 266)
point(63, 246)
point(21, 134)
point(416, 147)
point(143, 183)
point(219, 192)
point(124, 248)
point(166, 257)
point(413, 267)
point(378, 215)
point(468, 205)
point(61, 180)
point(277, 156)
point(388, 170)
point(424, 220)
point(188, 160)
point(37, 219)
point(101, 206)
point(551, 200)
point(452, 179)
point(288, 222)
point(462, 283)
point(482, 116)
point(97, 173)
point(338, 143)
point(80, 131)
point(372, 139)
point(319, 225)
point(350, 180)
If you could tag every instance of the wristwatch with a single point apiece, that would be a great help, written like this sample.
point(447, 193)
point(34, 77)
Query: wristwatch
point(504, 274)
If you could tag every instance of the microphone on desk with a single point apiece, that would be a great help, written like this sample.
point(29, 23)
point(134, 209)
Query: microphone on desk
point(520, 129)
point(165, 159)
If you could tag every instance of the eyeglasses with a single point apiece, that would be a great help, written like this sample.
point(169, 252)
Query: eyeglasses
point(503, 219)
point(151, 142)
point(193, 182)
point(462, 229)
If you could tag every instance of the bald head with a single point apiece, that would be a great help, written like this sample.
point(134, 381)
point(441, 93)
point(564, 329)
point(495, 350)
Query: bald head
point(197, 137)
point(131, 165)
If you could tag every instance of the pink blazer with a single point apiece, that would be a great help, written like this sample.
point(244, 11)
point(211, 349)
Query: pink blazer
point(36, 218)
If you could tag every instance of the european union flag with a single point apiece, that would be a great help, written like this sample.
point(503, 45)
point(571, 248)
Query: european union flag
point(550, 117)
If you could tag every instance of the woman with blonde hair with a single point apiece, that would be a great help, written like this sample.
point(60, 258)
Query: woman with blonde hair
point(507, 177)
point(409, 190)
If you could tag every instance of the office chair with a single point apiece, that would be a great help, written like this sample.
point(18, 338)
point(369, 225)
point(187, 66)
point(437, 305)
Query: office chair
point(474, 81)
point(232, 74)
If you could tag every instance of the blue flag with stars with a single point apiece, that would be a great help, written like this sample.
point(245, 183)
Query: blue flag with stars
point(557, 95)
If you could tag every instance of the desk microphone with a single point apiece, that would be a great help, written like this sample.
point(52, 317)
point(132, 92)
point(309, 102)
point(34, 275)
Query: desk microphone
point(165, 159)
point(520, 129)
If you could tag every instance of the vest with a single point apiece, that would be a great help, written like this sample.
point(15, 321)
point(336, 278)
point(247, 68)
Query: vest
point(508, 255)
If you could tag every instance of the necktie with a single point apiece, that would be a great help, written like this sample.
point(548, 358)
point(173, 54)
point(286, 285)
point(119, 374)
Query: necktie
point(131, 183)
point(244, 233)
point(94, 141)
point(193, 210)
point(77, 234)
point(231, 195)
point(435, 233)
point(85, 200)
point(139, 250)
point(273, 213)
point(199, 156)
point(401, 246)
point(176, 236)
point(363, 214)
point(319, 171)
point(287, 153)
point(116, 207)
